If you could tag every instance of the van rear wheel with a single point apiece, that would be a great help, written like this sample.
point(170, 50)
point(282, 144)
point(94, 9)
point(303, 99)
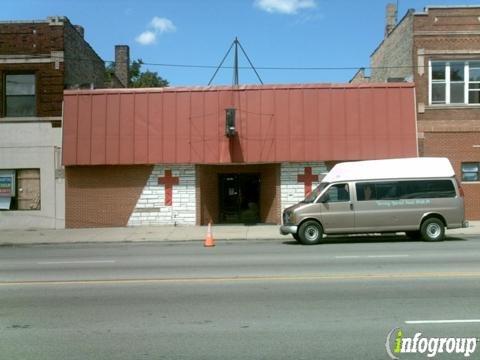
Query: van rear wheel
point(433, 229)
point(310, 233)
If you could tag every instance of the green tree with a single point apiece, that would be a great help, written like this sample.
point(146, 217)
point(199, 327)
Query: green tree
point(137, 78)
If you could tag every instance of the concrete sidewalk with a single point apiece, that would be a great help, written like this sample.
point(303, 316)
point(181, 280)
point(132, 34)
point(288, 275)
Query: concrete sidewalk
point(162, 233)
point(138, 234)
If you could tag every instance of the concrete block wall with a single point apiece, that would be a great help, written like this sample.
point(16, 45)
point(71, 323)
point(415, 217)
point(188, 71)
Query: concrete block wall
point(393, 58)
point(82, 64)
point(293, 191)
point(151, 209)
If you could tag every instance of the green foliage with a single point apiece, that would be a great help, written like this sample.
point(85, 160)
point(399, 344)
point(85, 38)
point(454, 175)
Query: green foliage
point(109, 71)
point(137, 78)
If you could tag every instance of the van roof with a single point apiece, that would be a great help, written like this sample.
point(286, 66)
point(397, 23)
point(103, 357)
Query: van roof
point(423, 167)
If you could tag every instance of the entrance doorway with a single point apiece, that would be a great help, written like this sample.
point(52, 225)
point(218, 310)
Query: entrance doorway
point(239, 198)
point(258, 184)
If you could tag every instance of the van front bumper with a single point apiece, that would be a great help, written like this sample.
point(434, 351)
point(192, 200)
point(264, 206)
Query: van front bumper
point(288, 229)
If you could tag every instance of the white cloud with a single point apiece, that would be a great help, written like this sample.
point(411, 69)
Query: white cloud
point(146, 38)
point(157, 26)
point(285, 6)
point(162, 24)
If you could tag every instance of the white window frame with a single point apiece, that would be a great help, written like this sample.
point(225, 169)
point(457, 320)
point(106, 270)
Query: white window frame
point(448, 83)
point(475, 82)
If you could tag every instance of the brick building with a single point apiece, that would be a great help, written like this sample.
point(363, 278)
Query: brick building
point(439, 50)
point(38, 60)
point(232, 155)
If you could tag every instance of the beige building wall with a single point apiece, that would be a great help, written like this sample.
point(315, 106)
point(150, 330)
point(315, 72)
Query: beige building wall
point(35, 146)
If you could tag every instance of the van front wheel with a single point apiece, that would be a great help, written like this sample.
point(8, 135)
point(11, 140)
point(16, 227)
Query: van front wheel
point(310, 233)
point(433, 229)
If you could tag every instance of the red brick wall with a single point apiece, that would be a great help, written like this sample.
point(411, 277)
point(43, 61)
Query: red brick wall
point(49, 86)
point(35, 39)
point(81, 64)
point(458, 147)
point(102, 196)
point(450, 131)
point(208, 193)
point(439, 32)
point(19, 37)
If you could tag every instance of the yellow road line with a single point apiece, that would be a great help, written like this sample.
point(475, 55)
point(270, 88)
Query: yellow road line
point(312, 277)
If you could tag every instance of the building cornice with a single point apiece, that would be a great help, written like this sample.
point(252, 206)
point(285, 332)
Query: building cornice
point(448, 52)
point(445, 33)
point(29, 119)
point(444, 7)
point(55, 57)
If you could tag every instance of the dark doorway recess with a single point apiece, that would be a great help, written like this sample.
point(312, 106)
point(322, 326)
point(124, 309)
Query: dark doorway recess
point(239, 198)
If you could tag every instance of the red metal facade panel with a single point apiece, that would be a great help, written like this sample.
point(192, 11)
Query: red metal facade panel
point(274, 124)
point(70, 135)
point(84, 130)
point(140, 130)
point(267, 126)
point(112, 141)
point(99, 107)
point(127, 126)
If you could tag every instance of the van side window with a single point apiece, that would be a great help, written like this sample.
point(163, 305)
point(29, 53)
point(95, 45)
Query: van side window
point(422, 189)
point(365, 191)
point(406, 189)
point(338, 193)
point(377, 191)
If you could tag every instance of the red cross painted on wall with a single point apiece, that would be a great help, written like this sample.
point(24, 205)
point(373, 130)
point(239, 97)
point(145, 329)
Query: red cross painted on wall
point(168, 180)
point(307, 178)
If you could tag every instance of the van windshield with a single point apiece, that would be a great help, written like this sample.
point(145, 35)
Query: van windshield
point(310, 198)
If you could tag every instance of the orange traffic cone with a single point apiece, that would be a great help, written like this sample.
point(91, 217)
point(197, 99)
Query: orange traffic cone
point(209, 242)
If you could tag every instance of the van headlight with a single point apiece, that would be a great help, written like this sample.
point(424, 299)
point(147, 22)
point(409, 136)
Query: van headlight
point(288, 217)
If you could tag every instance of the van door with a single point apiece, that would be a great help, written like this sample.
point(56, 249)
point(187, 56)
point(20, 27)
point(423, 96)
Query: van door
point(377, 207)
point(337, 214)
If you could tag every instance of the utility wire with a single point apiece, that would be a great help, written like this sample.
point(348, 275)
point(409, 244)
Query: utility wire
point(307, 68)
point(283, 68)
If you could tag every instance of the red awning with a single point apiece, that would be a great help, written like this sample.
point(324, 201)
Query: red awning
point(312, 122)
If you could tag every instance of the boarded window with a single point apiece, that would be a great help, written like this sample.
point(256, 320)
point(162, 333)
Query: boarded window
point(28, 189)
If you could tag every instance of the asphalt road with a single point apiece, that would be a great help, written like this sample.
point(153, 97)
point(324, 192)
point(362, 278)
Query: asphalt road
point(239, 300)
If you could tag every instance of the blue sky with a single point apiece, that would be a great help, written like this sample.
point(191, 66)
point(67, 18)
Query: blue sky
point(274, 33)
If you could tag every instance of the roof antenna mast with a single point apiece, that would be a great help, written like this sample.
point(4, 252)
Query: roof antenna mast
point(235, 63)
point(237, 44)
point(396, 12)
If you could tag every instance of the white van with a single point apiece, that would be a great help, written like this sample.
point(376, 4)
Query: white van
point(419, 196)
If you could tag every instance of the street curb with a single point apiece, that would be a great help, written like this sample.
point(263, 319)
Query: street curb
point(172, 241)
point(221, 240)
